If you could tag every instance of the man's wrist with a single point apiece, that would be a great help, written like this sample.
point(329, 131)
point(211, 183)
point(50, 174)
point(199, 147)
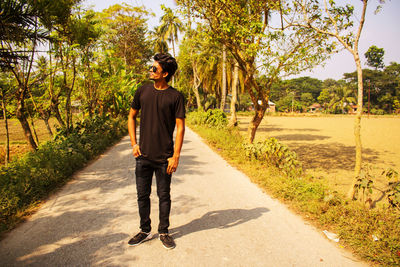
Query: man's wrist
point(135, 145)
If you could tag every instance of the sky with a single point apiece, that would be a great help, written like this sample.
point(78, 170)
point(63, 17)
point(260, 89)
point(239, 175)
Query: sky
point(381, 30)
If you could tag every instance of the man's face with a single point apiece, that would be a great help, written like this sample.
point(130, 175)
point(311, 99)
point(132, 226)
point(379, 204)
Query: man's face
point(156, 72)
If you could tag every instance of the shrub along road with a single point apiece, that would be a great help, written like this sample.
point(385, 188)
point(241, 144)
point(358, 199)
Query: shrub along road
point(218, 218)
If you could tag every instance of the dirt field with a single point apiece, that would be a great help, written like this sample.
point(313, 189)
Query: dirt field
point(326, 145)
point(18, 143)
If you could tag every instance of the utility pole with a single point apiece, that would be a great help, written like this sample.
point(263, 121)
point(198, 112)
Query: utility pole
point(369, 95)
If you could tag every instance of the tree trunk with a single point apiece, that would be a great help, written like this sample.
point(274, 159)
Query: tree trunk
point(54, 109)
point(196, 85)
point(7, 145)
point(173, 49)
point(233, 120)
point(357, 126)
point(223, 89)
point(46, 122)
point(252, 88)
point(259, 110)
point(53, 98)
point(68, 112)
point(33, 127)
point(255, 122)
point(20, 113)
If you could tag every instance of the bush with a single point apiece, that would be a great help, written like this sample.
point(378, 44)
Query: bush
point(277, 154)
point(214, 118)
point(377, 111)
point(32, 177)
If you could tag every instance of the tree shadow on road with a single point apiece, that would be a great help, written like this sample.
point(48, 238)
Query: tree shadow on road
point(69, 239)
point(219, 219)
point(73, 220)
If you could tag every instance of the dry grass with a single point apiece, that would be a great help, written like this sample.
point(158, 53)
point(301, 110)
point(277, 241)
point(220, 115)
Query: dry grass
point(18, 143)
point(325, 145)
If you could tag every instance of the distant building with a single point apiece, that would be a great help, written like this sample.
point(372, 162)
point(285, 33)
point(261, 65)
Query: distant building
point(352, 109)
point(76, 106)
point(314, 108)
point(271, 106)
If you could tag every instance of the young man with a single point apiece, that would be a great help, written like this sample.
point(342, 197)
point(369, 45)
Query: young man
point(162, 108)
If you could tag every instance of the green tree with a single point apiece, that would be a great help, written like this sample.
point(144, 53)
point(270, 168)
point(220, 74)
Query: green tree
point(39, 93)
point(324, 97)
point(299, 85)
point(246, 29)
point(88, 31)
point(170, 26)
point(6, 93)
point(160, 45)
point(234, 99)
point(204, 59)
point(342, 97)
point(21, 32)
point(391, 85)
point(126, 34)
point(374, 57)
point(306, 99)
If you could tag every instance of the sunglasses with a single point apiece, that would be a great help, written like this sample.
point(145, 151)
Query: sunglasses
point(153, 69)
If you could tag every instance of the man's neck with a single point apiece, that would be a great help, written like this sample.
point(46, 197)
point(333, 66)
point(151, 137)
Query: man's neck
point(161, 85)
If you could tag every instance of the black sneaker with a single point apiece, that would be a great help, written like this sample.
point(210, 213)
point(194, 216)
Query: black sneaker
point(140, 238)
point(167, 241)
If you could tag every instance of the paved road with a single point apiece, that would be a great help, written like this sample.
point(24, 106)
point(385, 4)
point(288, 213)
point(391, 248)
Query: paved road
point(218, 218)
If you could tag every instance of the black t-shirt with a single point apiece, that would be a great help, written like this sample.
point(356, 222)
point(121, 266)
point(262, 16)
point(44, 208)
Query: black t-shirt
point(159, 110)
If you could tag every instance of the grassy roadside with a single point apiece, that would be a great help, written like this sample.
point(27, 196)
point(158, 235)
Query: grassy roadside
point(312, 198)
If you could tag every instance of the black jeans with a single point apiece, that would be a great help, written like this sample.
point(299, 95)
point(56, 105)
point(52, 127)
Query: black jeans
point(144, 174)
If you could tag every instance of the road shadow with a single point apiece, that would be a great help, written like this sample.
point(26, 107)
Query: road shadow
point(109, 172)
point(73, 222)
point(219, 219)
point(189, 164)
point(69, 239)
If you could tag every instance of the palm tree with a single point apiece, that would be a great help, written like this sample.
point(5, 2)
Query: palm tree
point(18, 30)
point(170, 26)
point(160, 45)
point(18, 25)
point(342, 97)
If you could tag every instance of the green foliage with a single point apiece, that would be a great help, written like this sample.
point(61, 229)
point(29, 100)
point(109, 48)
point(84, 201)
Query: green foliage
point(170, 26)
point(394, 188)
point(364, 183)
point(377, 111)
point(31, 178)
point(276, 154)
point(374, 57)
point(213, 118)
point(289, 104)
point(126, 35)
point(396, 105)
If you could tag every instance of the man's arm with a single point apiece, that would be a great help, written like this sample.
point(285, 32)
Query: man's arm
point(132, 132)
point(180, 132)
